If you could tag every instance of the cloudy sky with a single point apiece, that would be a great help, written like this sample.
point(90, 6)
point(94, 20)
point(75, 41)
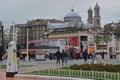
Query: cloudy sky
point(19, 11)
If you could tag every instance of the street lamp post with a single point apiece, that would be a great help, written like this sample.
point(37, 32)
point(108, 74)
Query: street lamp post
point(27, 47)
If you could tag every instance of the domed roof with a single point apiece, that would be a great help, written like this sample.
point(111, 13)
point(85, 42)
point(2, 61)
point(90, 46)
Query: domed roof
point(72, 14)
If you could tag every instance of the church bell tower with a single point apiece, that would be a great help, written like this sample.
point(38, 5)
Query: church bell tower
point(90, 16)
point(97, 17)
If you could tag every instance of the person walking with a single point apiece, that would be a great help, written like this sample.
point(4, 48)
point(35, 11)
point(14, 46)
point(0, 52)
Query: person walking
point(71, 54)
point(64, 57)
point(102, 55)
point(58, 56)
point(67, 54)
point(85, 55)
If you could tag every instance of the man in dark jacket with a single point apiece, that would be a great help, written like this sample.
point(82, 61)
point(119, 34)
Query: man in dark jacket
point(58, 56)
point(85, 55)
point(71, 54)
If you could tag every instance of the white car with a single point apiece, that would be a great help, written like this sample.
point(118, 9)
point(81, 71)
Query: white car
point(39, 56)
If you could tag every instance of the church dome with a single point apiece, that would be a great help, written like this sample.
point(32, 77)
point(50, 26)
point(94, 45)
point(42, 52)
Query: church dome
point(72, 17)
point(72, 14)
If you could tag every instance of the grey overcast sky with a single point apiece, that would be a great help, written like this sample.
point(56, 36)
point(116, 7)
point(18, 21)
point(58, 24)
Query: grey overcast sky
point(19, 11)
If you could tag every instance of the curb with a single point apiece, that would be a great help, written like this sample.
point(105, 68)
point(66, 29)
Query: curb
point(48, 77)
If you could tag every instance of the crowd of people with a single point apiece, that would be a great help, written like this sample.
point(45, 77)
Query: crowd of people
point(71, 54)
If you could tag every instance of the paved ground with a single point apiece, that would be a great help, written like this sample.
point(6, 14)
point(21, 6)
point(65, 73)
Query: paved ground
point(48, 64)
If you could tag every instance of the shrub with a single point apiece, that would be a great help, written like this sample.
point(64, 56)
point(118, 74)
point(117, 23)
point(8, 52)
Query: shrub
point(96, 67)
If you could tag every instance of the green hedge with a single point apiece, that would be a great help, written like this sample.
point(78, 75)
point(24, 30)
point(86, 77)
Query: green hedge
point(96, 67)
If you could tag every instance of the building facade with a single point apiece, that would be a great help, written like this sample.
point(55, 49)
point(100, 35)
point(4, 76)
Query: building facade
point(76, 32)
point(36, 29)
point(6, 38)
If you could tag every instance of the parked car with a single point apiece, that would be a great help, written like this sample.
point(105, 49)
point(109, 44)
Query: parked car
point(39, 56)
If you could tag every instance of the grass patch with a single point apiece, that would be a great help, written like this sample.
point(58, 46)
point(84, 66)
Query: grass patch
point(22, 66)
point(4, 66)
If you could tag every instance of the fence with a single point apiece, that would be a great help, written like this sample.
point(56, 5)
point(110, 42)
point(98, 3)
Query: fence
point(79, 73)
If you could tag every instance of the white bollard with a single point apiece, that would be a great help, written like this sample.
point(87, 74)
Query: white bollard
point(11, 60)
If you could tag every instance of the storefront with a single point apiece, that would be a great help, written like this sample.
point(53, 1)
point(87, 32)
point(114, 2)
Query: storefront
point(73, 37)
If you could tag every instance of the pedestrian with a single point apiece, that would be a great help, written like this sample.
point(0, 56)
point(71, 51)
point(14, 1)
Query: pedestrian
point(102, 55)
point(85, 55)
point(71, 54)
point(64, 57)
point(67, 54)
point(58, 56)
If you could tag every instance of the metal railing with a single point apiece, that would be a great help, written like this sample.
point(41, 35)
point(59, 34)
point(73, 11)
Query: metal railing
point(78, 73)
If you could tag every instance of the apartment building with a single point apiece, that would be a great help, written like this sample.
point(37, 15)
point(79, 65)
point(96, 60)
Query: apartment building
point(35, 28)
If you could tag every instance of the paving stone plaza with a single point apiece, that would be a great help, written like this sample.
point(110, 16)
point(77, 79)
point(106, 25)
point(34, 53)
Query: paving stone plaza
point(48, 64)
